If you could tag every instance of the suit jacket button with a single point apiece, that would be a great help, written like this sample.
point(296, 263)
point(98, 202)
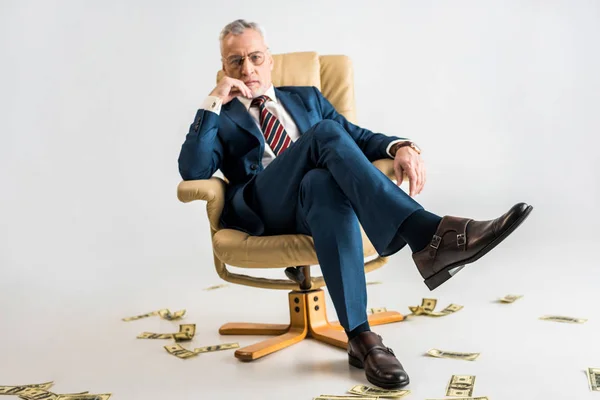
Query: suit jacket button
point(253, 167)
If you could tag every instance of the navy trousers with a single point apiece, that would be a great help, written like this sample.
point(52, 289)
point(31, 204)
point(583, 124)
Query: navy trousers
point(322, 186)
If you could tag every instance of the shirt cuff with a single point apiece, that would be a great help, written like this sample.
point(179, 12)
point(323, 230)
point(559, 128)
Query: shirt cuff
point(213, 104)
point(393, 142)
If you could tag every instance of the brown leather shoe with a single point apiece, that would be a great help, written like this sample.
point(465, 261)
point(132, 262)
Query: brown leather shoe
point(460, 241)
point(382, 368)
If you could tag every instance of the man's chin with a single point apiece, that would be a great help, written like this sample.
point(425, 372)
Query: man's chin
point(258, 91)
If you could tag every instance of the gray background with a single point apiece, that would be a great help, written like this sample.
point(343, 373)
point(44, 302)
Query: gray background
point(95, 101)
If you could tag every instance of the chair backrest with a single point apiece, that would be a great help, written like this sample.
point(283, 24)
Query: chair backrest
point(332, 74)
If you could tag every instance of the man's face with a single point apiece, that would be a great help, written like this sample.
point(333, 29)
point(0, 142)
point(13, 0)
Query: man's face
point(240, 55)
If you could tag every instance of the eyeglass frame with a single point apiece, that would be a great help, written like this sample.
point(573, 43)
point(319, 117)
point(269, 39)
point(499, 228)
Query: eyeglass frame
point(243, 59)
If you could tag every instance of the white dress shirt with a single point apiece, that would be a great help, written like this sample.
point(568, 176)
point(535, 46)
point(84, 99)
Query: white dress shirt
point(214, 103)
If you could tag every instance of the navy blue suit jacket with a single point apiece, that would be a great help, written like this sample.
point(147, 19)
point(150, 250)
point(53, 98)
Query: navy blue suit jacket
point(233, 143)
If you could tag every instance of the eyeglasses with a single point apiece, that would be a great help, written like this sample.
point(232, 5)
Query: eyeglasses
point(236, 62)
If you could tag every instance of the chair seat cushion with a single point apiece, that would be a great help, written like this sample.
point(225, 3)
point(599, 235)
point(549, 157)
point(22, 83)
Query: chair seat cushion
point(239, 249)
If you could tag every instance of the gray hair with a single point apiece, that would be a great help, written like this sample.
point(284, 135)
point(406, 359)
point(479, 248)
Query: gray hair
point(237, 27)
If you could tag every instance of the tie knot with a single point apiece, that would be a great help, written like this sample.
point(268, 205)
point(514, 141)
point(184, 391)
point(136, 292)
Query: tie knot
point(259, 101)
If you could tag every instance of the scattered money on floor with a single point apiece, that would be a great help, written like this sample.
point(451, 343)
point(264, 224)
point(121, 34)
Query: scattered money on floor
point(428, 305)
point(11, 389)
point(452, 354)
point(164, 313)
point(363, 390)
point(464, 398)
point(378, 310)
point(40, 392)
point(218, 347)
point(181, 352)
point(558, 318)
point(186, 332)
point(510, 298)
point(594, 379)
point(461, 386)
point(217, 286)
point(335, 397)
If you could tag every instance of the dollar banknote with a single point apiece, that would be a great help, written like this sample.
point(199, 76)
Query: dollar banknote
point(217, 286)
point(179, 351)
point(336, 397)
point(462, 380)
point(452, 354)
point(13, 390)
point(594, 379)
point(136, 317)
point(428, 304)
point(372, 391)
point(165, 313)
point(559, 318)
point(70, 395)
point(151, 335)
point(427, 307)
point(378, 310)
point(33, 393)
point(40, 391)
point(461, 386)
point(464, 398)
point(452, 308)
point(218, 347)
point(459, 392)
point(510, 298)
point(186, 332)
point(416, 310)
point(83, 396)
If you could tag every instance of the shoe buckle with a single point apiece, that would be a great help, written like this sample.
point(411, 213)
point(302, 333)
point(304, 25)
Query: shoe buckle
point(435, 241)
point(461, 239)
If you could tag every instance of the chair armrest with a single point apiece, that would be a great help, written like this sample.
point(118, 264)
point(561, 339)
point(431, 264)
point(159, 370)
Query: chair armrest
point(210, 190)
point(386, 165)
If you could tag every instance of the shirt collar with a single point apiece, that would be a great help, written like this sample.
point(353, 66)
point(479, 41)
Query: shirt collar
point(270, 93)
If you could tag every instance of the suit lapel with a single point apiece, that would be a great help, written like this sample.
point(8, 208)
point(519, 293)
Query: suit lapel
point(238, 113)
point(293, 104)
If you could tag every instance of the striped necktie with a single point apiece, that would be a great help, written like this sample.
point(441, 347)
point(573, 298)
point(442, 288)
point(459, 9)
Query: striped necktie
point(275, 134)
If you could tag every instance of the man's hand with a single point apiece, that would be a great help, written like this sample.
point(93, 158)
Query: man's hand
point(228, 88)
point(408, 161)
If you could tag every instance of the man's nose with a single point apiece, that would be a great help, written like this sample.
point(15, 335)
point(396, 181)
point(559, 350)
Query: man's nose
point(246, 68)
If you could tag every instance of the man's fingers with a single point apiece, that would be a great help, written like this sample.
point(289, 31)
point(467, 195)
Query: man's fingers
point(412, 180)
point(399, 176)
point(241, 88)
point(419, 175)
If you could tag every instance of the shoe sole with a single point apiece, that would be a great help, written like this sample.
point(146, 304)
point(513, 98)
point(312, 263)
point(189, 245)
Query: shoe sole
point(355, 362)
point(444, 274)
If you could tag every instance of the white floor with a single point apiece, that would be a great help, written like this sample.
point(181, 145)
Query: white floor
point(76, 338)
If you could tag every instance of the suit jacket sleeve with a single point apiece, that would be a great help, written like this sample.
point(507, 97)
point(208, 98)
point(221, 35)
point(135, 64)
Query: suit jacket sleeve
point(373, 145)
point(202, 152)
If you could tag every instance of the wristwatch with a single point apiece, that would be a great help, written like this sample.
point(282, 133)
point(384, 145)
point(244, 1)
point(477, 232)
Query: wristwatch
point(406, 143)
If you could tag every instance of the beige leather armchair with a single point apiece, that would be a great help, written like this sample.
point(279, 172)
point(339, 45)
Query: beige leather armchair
point(333, 75)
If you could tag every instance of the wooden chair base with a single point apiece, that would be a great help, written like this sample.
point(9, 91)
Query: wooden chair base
point(308, 318)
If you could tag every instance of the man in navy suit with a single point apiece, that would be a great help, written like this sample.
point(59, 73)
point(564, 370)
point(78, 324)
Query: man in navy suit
point(295, 165)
